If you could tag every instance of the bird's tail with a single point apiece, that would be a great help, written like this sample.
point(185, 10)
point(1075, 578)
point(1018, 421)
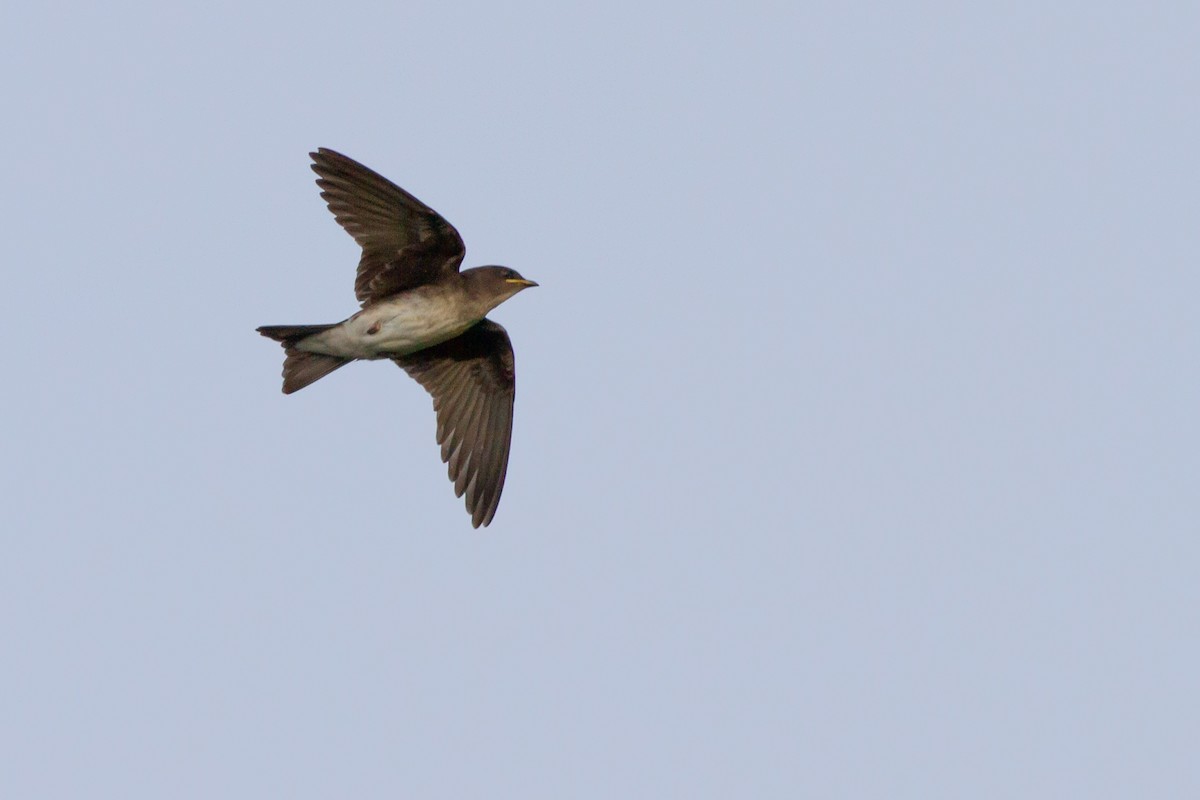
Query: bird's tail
point(301, 368)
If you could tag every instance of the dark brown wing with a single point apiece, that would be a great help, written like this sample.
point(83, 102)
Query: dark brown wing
point(472, 380)
point(405, 242)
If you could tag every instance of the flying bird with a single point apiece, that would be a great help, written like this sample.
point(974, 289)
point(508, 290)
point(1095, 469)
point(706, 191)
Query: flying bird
point(421, 312)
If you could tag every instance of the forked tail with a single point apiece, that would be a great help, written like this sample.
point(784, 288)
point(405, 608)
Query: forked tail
point(299, 367)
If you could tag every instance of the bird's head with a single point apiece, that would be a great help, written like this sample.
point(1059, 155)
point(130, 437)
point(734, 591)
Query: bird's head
point(494, 285)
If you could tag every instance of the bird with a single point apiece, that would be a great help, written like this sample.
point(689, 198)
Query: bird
point(421, 311)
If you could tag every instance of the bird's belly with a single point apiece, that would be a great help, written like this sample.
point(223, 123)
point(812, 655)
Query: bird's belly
point(387, 330)
point(409, 332)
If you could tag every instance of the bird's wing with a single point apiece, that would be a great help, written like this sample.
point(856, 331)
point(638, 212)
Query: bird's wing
point(405, 242)
point(473, 381)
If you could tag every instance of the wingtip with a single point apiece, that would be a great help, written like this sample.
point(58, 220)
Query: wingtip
point(319, 156)
point(483, 516)
point(326, 154)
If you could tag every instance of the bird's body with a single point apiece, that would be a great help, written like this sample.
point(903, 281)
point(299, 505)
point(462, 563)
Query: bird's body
point(420, 311)
point(400, 325)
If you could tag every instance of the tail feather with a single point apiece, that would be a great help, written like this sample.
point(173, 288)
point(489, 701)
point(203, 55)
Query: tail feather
point(300, 368)
point(290, 334)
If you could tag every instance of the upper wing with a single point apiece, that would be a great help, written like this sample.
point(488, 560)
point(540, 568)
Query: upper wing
point(472, 380)
point(405, 242)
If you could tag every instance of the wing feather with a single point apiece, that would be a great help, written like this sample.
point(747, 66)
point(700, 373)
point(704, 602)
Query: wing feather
point(405, 242)
point(472, 380)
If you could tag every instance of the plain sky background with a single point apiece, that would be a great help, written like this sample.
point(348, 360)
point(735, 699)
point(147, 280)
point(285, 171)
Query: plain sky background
point(856, 444)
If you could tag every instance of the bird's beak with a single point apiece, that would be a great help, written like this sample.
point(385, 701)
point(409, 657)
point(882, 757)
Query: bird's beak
point(520, 282)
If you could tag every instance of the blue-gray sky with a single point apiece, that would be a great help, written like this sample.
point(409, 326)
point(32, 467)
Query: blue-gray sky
point(855, 449)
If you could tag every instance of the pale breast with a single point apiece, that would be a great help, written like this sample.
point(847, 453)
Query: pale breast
point(402, 325)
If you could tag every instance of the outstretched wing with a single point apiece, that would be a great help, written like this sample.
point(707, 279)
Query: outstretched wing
point(405, 242)
point(473, 381)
